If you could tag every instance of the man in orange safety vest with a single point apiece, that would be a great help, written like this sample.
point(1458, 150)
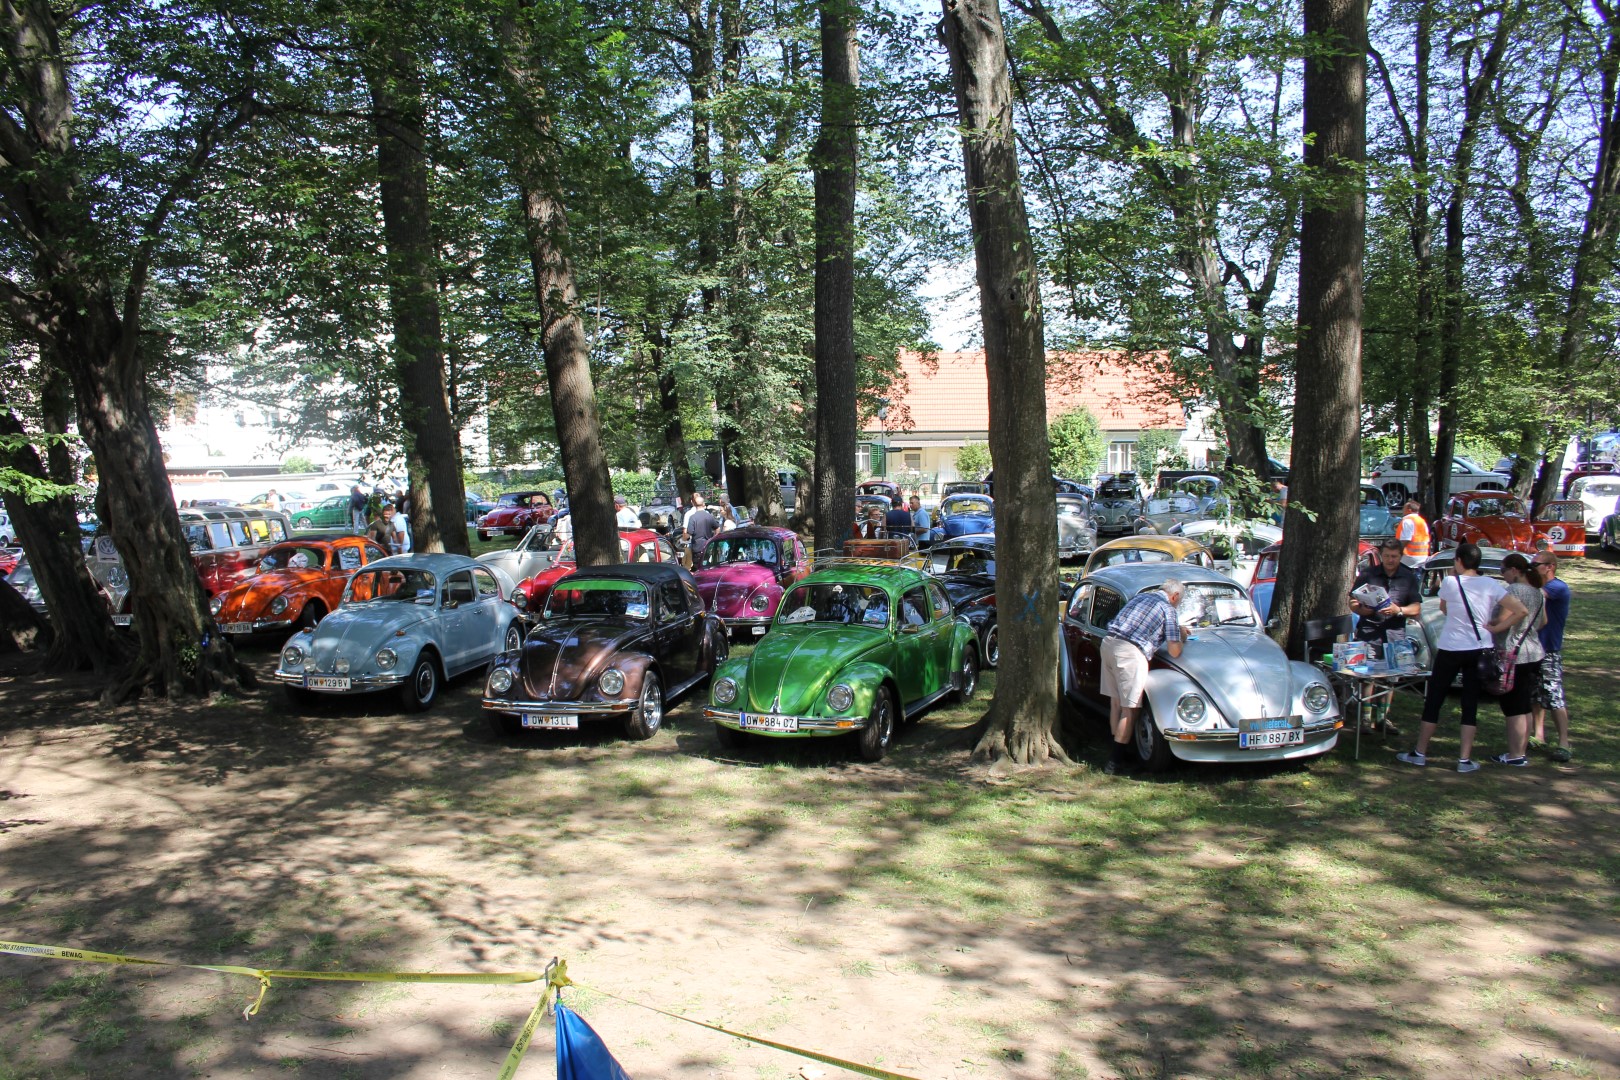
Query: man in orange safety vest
point(1413, 534)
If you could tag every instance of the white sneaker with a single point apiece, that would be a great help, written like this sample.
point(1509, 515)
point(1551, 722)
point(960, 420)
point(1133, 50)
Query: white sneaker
point(1467, 765)
point(1412, 758)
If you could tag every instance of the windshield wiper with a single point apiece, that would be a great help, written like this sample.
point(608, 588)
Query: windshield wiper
point(1236, 620)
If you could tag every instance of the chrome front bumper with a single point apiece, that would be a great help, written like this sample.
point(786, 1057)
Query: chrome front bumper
point(565, 708)
point(1227, 735)
point(807, 725)
point(356, 682)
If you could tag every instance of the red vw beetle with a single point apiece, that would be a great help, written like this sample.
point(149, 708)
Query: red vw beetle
point(514, 513)
point(1487, 518)
point(635, 546)
point(298, 582)
point(744, 573)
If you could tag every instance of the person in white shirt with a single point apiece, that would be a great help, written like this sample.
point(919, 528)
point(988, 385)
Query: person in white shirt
point(626, 517)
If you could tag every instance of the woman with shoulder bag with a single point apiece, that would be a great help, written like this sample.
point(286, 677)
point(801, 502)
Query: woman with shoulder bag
point(1466, 600)
point(1521, 611)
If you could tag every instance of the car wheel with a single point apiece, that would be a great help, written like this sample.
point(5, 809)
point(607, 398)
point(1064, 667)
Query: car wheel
point(1151, 747)
point(422, 687)
point(297, 695)
point(303, 523)
point(502, 724)
point(730, 738)
point(878, 733)
point(514, 638)
point(310, 616)
point(1395, 496)
point(648, 716)
point(967, 676)
point(990, 646)
point(482, 535)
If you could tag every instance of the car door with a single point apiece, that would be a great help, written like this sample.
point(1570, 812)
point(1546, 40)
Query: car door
point(1094, 620)
point(457, 631)
point(944, 620)
point(492, 613)
point(918, 639)
point(676, 639)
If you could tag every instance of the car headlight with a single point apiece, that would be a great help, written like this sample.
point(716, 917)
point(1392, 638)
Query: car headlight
point(1191, 709)
point(500, 681)
point(1317, 697)
point(612, 682)
point(278, 605)
point(758, 601)
point(387, 658)
point(341, 665)
point(215, 604)
point(725, 691)
point(519, 600)
point(292, 657)
point(840, 697)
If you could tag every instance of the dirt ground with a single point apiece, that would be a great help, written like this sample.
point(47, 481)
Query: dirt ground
point(924, 915)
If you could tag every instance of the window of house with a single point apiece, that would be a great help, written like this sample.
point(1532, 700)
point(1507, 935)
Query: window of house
point(914, 460)
point(863, 457)
point(1122, 456)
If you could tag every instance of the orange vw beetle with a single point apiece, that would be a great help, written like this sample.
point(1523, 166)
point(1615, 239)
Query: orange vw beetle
point(1489, 519)
point(298, 582)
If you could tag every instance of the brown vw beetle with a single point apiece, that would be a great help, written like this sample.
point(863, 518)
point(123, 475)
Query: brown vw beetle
point(611, 643)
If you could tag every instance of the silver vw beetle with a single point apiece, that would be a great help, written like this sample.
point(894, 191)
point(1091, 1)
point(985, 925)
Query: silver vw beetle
point(1232, 695)
point(408, 622)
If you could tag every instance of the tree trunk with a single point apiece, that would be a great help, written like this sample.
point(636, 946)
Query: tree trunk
point(1317, 562)
point(427, 428)
point(83, 637)
point(567, 353)
point(835, 160)
point(1023, 718)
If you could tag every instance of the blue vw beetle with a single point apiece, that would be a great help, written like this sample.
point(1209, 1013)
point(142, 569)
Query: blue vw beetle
point(965, 515)
point(408, 622)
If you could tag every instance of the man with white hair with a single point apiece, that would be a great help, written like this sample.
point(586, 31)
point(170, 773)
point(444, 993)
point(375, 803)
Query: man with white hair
point(1144, 624)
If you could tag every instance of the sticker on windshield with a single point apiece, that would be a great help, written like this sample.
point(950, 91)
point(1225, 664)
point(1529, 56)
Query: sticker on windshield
point(636, 611)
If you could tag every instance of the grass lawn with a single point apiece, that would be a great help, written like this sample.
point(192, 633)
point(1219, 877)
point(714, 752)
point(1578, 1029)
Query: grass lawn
point(926, 914)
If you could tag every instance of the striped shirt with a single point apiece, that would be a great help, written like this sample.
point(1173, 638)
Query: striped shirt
point(1147, 621)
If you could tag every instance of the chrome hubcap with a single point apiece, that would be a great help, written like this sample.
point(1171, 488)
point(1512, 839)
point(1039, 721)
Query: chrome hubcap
point(885, 723)
point(652, 707)
point(970, 676)
point(424, 681)
point(992, 646)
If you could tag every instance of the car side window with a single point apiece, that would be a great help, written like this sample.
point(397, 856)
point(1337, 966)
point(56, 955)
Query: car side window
point(914, 608)
point(1105, 607)
point(485, 583)
point(348, 558)
point(373, 553)
point(666, 552)
point(458, 588)
point(671, 601)
point(694, 599)
point(942, 604)
point(1079, 601)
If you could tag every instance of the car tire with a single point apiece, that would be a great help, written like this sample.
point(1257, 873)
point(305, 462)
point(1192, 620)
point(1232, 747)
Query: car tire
point(482, 535)
point(648, 716)
point(422, 688)
point(303, 523)
point(502, 725)
point(1152, 750)
point(967, 674)
point(1395, 496)
point(990, 645)
point(311, 615)
point(514, 637)
point(730, 738)
point(874, 739)
point(298, 697)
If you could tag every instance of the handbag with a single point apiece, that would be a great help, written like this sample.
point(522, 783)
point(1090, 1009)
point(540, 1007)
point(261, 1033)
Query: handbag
point(1507, 660)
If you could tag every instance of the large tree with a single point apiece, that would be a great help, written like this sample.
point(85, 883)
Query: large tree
point(1022, 721)
point(1316, 564)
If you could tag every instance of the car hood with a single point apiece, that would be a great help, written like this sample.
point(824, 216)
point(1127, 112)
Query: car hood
point(793, 665)
point(249, 599)
point(562, 659)
point(1242, 672)
point(519, 564)
point(965, 588)
point(726, 588)
point(964, 524)
point(357, 631)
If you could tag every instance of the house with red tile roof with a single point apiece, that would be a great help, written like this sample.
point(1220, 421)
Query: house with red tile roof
point(941, 401)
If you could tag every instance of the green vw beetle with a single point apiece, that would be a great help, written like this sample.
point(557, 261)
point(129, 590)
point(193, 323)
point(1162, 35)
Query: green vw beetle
point(856, 648)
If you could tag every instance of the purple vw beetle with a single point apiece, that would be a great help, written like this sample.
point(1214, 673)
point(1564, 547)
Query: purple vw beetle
point(745, 572)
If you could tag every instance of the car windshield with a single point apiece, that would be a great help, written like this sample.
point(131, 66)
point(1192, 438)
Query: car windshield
point(293, 557)
point(1199, 486)
point(1071, 508)
point(836, 602)
point(392, 585)
point(724, 550)
point(965, 504)
point(1210, 603)
point(1115, 492)
point(566, 552)
point(1495, 507)
point(962, 561)
point(514, 498)
point(1170, 502)
point(1132, 555)
point(605, 598)
point(1603, 489)
point(864, 503)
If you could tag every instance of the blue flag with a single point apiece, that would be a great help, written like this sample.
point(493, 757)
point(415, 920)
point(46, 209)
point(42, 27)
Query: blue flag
point(581, 1054)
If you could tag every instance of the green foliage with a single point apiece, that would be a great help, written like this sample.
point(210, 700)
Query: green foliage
point(297, 463)
point(1078, 446)
point(973, 460)
point(636, 487)
point(1156, 449)
point(32, 488)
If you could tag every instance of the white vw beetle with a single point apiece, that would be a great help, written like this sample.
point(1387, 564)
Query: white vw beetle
point(410, 621)
point(1232, 695)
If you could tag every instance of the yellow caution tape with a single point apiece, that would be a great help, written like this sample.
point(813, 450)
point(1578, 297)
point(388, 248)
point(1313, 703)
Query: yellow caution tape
point(825, 1059)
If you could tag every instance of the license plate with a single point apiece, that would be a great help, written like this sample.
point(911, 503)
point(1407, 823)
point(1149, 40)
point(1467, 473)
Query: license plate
point(123, 620)
point(556, 721)
point(758, 630)
point(768, 723)
point(1253, 740)
point(326, 682)
point(237, 628)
